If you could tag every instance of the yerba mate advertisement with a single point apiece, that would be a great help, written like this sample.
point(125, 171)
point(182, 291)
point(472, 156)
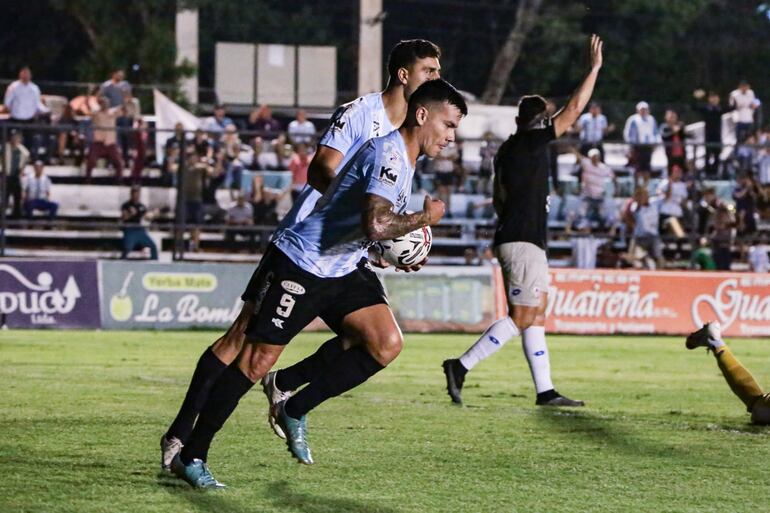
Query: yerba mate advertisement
point(163, 296)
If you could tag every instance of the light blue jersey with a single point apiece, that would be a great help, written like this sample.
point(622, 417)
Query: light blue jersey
point(330, 241)
point(351, 126)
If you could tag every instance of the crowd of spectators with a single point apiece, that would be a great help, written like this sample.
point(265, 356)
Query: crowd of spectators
point(669, 203)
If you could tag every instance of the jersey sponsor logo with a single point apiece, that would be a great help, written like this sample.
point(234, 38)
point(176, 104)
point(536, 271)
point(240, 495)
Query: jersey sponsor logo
point(293, 287)
point(278, 323)
point(376, 128)
point(388, 175)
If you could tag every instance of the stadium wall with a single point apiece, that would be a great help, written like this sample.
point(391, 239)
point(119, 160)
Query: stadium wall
point(143, 295)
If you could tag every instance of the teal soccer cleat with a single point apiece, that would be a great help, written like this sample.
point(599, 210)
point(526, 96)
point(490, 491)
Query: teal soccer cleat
point(296, 434)
point(197, 474)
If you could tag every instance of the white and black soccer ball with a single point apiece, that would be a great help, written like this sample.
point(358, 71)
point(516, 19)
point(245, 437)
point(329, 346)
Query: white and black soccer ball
point(409, 249)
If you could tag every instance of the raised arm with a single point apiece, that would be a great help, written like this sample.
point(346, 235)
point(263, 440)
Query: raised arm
point(567, 116)
point(380, 222)
point(322, 168)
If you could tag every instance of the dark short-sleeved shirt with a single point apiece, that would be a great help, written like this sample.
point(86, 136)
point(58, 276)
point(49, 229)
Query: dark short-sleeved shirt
point(521, 187)
point(139, 211)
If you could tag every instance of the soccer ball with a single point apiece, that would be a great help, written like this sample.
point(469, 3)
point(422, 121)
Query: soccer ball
point(409, 249)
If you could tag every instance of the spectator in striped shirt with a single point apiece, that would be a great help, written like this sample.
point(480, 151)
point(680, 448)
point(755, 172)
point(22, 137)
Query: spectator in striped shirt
point(593, 127)
point(641, 132)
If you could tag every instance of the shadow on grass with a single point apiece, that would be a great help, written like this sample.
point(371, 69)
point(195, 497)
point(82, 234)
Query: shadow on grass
point(283, 497)
point(279, 493)
point(603, 431)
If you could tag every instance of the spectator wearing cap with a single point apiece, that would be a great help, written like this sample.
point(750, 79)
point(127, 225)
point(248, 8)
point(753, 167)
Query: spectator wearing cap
point(104, 142)
point(745, 102)
point(217, 123)
point(593, 128)
point(16, 157)
point(712, 112)
point(23, 102)
point(118, 93)
point(301, 130)
point(135, 236)
point(641, 132)
point(37, 193)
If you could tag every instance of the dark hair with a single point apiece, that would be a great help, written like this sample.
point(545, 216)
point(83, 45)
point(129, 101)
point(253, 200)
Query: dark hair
point(407, 52)
point(437, 91)
point(530, 107)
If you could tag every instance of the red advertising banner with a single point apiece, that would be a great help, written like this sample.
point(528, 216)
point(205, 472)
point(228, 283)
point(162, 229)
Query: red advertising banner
point(657, 302)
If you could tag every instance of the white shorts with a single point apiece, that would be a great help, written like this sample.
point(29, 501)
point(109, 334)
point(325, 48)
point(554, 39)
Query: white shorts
point(525, 272)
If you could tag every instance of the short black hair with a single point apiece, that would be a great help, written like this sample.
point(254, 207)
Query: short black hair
point(530, 106)
point(407, 52)
point(437, 91)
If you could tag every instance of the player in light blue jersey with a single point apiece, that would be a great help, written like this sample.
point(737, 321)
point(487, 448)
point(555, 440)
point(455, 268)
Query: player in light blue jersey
point(311, 271)
point(410, 63)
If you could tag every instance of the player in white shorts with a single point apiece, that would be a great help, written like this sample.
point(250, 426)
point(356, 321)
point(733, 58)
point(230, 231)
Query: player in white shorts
point(521, 201)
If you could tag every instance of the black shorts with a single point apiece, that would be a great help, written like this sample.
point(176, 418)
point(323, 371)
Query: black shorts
point(287, 298)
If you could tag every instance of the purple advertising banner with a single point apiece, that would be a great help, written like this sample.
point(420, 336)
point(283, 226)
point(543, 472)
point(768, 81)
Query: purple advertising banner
point(46, 294)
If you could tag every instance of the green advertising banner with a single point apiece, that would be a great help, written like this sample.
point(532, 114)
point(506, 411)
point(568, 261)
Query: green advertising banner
point(138, 295)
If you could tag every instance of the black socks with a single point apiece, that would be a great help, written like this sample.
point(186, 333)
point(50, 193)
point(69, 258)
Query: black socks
point(291, 378)
point(225, 394)
point(207, 371)
point(347, 371)
point(547, 395)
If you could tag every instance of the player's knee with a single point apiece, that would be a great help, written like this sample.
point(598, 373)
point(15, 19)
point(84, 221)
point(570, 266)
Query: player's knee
point(385, 347)
point(258, 363)
point(523, 318)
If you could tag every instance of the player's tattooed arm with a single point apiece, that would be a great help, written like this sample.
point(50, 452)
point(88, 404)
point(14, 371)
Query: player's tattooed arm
point(381, 223)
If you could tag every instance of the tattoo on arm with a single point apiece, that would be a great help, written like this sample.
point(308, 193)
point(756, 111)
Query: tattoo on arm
point(381, 223)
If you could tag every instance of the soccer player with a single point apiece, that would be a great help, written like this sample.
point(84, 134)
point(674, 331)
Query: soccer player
point(312, 271)
point(521, 201)
point(410, 63)
point(741, 382)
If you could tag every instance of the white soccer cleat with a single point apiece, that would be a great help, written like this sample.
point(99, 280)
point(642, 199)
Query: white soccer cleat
point(274, 396)
point(169, 447)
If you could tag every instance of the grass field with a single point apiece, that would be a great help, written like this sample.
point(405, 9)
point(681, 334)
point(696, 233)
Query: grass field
point(81, 414)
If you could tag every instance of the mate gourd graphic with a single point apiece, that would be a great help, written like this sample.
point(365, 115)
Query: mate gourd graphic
point(121, 306)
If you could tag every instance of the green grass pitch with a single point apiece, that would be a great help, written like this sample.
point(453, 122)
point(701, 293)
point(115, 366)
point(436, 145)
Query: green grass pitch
point(81, 414)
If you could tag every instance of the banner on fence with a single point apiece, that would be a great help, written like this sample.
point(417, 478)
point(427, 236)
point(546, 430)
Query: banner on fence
point(48, 294)
point(662, 302)
point(137, 295)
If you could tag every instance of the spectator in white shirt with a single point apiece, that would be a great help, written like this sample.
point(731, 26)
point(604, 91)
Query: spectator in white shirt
point(23, 103)
point(642, 218)
point(301, 130)
point(674, 193)
point(595, 175)
point(758, 258)
point(641, 132)
point(744, 101)
point(593, 127)
point(37, 193)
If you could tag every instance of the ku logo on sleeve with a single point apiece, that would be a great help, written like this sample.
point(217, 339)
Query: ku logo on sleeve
point(388, 175)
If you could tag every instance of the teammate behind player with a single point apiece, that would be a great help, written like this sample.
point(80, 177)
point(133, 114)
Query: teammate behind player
point(312, 271)
point(741, 382)
point(521, 201)
point(410, 64)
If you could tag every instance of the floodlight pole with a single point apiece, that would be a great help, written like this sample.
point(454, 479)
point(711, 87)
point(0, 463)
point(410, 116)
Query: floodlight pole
point(3, 187)
point(370, 18)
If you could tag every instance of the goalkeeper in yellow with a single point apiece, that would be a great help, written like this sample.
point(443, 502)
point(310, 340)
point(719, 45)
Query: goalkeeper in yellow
point(738, 377)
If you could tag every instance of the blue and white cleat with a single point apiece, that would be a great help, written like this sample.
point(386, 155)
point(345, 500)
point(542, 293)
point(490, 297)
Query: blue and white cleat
point(274, 396)
point(296, 434)
point(196, 474)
